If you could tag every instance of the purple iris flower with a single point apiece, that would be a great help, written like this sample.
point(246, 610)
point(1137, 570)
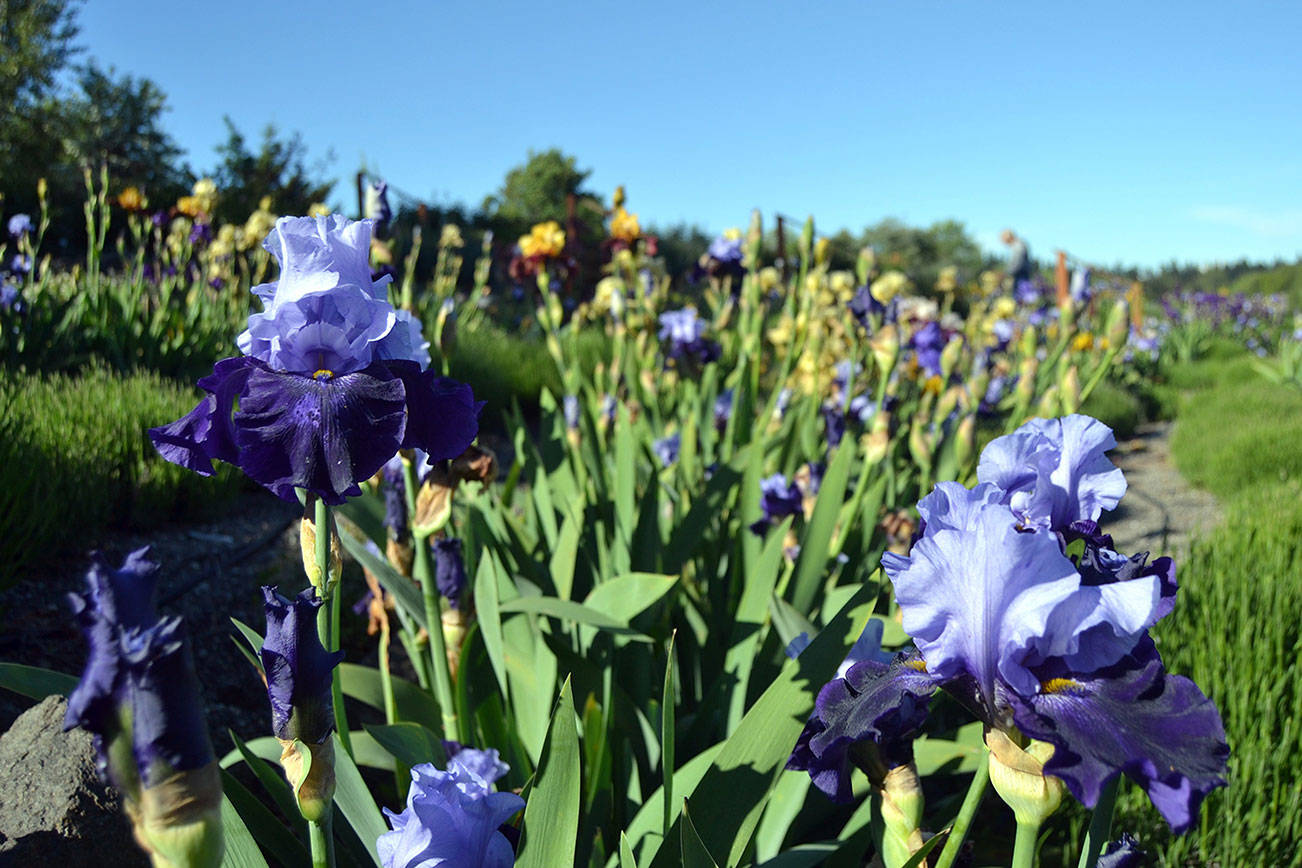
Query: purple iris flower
point(723, 409)
point(683, 333)
point(1080, 284)
point(1032, 640)
point(452, 817)
point(298, 668)
point(200, 233)
point(863, 306)
point(1055, 471)
point(377, 204)
point(570, 409)
point(139, 668)
point(1028, 292)
point(10, 297)
point(20, 225)
point(779, 498)
point(449, 569)
point(928, 342)
point(332, 382)
point(1122, 853)
point(725, 250)
point(833, 424)
point(666, 448)
point(21, 264)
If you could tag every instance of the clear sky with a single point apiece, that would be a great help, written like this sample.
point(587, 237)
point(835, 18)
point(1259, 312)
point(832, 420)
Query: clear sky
point(1128, 132)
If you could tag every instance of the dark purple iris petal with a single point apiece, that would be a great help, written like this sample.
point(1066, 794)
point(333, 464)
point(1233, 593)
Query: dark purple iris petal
point(779, 498)
point(1131, 717)
point(863, 305)
point(1121, 853)
point(322, 435)
point(882, 703)
point(205, 434)
point(115, 598)
point(449, 569)
point(928, 342)
point(167, 728)
point(833, 424)
point(442, 414)
point(298, 668)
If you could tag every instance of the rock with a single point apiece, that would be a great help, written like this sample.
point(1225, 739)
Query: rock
point(54, 810)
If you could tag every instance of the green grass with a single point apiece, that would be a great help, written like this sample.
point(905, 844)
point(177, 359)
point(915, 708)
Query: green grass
point(1236, 632)
point(1236, 629)
point(75, 460)
point(503, 368)
point(1117, 408)
point(1240, 435)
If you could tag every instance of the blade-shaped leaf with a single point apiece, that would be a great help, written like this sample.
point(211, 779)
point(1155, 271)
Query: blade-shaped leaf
point(551, 814)
point(354, 801)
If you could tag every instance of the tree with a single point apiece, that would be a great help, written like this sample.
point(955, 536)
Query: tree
point(538, 190)
point(117, 122)
point(35, 46)
point(278, 170)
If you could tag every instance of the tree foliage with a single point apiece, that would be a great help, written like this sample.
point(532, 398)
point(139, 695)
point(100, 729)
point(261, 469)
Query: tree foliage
point(538, 191)
point(278, 169)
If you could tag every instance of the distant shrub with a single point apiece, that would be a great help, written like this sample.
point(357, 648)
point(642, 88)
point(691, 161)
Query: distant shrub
point(75, 460)
point(1116, 407)
point(1240, 435)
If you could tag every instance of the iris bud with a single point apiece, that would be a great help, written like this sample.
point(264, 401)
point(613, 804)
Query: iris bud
point(433, 504)
point(1030, 340)
point(178, 821)
point(307, 544)
point(886, 349)
point(950, 355)
point(310, 769)
point(965, 444)
point(1069, 390)
point(1118, 325)
point(1049, 403)
point(1017, 774)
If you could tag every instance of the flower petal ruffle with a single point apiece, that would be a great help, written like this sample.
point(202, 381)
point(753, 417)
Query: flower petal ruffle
point(882, 703)
point(1135, 718)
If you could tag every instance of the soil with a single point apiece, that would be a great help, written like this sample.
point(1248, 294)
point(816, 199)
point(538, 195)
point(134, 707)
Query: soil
point(209, 573)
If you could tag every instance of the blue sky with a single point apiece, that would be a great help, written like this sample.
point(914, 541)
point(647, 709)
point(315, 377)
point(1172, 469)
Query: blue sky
point(1122, 132)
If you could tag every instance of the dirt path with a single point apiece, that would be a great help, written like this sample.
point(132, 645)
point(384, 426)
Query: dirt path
point(1161, 511)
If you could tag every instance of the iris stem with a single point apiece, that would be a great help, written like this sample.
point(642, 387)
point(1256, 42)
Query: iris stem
point(1100, 830)
point(442, 676)
point(1024, 845)
point(323, 849)
point(327, 619)
point(966, 812)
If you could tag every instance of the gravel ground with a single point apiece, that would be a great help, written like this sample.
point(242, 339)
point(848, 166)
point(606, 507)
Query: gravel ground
point(209, 572)
point(1161, 513)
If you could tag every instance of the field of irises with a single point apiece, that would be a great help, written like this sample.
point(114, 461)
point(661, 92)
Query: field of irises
point(776, 565)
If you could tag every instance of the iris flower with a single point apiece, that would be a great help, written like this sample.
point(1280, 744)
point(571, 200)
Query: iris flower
point(298, 668)
point(683, 334)
point(452, 817)
point(667, 448)
point(1034, 641)
point(332, 381)
point(139, 670)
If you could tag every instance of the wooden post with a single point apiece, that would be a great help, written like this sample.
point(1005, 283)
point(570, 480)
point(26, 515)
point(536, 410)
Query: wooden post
point(1061, 279)
point(782, 248)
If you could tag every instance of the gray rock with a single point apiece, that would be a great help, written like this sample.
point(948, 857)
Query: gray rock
point(54, 810)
